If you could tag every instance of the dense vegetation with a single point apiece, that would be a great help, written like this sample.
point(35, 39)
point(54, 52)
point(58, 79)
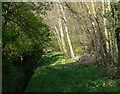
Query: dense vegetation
point(25, 36)
point(61, 47)
point(60, 74)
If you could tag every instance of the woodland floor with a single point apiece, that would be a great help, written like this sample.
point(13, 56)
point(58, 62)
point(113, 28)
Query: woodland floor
point(58, 75)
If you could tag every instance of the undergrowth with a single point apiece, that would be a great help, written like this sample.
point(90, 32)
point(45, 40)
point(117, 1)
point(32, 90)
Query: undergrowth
point(56, 76)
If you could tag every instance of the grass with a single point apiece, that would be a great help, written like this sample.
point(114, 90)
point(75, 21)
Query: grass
point(56, 76)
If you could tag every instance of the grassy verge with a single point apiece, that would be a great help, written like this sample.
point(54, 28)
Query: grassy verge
point(57, 76)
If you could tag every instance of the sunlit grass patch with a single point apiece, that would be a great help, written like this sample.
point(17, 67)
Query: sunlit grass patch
point(63, 61)
point(59, 77)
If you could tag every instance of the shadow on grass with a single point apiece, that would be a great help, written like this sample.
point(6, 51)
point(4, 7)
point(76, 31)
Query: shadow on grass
point(83, 78)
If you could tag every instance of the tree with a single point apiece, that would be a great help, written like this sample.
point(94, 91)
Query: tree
point(25, 36)
point(66, 30)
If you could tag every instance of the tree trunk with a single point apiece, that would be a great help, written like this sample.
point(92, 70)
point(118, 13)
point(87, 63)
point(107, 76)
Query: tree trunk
point(105, 28)
point(61, 31)
point(66, 30)
point(58, 37)
point(117, 32)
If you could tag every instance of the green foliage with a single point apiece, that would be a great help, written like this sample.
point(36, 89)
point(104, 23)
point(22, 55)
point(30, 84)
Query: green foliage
point(54, 45)
point(23, 31)
point(55, 76)
point(25, 35)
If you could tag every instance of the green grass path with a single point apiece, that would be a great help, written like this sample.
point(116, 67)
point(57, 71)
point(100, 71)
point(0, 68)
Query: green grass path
point(57, 76)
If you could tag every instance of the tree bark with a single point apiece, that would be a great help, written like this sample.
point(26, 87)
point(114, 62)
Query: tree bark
point(58, 36)
point(117, 32)
point(61, 31)
point(66, 30)
point(105, 28)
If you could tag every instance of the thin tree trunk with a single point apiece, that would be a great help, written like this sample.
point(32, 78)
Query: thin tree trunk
point(58, 36)
point(66, 30)
point(105, 28)
point(102, 42)
point(61, 31)
point(97, 34)
point(62, 36)
point(111, 40)
point(117, 32)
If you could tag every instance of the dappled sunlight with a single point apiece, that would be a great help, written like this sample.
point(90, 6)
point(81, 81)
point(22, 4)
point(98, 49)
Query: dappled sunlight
point(57, 59)
point(60, 46)
point(60, 77)
point(63, 62)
